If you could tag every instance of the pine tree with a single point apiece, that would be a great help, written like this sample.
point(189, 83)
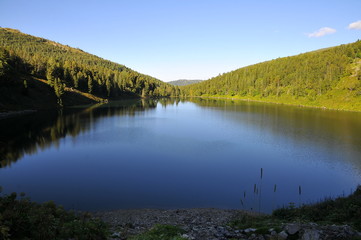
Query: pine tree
point(108, 86)
point(4, 66)
point(51, 71)
point(59, 90)
point(90, 84)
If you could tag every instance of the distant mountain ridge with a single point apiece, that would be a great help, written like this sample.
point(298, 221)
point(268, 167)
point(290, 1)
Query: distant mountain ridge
point(326, 78)
point(184, 82)
point(34, 71)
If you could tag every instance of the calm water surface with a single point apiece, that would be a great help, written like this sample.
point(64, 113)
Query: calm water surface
point(181, 154)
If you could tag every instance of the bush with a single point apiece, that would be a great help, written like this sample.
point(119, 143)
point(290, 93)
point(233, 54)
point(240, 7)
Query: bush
point(21, 218)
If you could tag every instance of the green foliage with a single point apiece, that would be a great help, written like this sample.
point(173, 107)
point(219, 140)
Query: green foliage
point(161, 232)
point(77, 69)
point(343, 210)
point(262, 223)
point(4, 65)
point(59, 90)
point(325, 75)
point(23, 219)
point(184, 82)
point(53, 71)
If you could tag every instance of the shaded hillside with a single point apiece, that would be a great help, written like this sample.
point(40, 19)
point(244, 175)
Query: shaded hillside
point(27, 92)
point(325, 78)
point(67, 71)
point(183, 82)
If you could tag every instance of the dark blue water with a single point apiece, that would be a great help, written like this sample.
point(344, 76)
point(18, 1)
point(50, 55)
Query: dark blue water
point(181, 154)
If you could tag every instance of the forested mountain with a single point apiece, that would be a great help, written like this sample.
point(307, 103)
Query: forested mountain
point(183, 82)
point(69, 69)
point(325, 78)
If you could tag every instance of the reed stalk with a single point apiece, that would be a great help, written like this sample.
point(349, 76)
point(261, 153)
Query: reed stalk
point(274, 196)
point(260, 192)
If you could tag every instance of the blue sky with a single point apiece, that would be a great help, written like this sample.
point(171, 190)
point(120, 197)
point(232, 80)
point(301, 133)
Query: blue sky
point(187, 39)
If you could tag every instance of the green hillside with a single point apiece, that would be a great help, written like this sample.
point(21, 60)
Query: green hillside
point(329, 78)
point(35, 71)
point(184, 82)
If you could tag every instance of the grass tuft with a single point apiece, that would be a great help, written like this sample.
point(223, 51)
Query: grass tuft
point(164, 232)
point(342, 210)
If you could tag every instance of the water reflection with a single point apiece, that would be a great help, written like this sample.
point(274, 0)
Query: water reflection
point(336, 131)
point(172, 153)
point(28, 134)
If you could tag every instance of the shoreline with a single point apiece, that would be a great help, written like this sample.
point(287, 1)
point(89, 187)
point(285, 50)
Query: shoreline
point(198, 223)
point(275, 102)
point(214, 224)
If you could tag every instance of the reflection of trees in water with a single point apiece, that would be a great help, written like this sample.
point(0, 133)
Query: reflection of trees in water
point(329, 129)
point(26, 135)
point(170, 101)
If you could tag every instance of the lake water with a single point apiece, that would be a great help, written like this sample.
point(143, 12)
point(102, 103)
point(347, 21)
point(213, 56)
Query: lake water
point(181, 154)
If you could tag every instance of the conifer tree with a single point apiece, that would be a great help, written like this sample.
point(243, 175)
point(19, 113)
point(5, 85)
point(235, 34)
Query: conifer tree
point(90, 84)
point(4, 66)
point(59, 90)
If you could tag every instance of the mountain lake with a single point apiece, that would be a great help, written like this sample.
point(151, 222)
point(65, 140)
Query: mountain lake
point(172, 153)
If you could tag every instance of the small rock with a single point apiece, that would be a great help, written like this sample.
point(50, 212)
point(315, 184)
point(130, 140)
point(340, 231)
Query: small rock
point(282, 235)
point(187, 236)
point(348, 230)
point(268, 237)
point(248, 230)
point(252, 237)
point(116, 235)
point(260, 237)
point(292, 228)
point(218, 235)
point(311, 234)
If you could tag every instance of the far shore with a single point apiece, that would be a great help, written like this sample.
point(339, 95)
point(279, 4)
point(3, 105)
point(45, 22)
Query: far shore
point(279, 101)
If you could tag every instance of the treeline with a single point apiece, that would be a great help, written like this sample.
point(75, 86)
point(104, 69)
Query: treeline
point(63, 66)
point(308, 75)
point(184, 82)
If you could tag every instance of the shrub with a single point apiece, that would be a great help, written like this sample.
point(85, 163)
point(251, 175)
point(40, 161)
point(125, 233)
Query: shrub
point(21, 218)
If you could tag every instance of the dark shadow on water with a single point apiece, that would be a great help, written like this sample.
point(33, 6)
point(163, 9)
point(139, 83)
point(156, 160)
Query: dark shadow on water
point(27, 134)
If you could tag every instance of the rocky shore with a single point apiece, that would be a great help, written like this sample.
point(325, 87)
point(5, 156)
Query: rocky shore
point(212, 224)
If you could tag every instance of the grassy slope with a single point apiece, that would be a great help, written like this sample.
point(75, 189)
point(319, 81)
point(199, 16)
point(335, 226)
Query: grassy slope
point(338, 97)
point(342, 210)
point(38, 95)
point(338, 101)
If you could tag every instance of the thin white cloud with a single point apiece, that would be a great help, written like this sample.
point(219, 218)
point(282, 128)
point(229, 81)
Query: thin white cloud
point(355, 25)
point(322, 32)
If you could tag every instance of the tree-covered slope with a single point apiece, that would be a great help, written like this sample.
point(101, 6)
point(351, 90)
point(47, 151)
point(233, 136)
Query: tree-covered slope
point(22, 56)
point(328, 78)
point(184, 82)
